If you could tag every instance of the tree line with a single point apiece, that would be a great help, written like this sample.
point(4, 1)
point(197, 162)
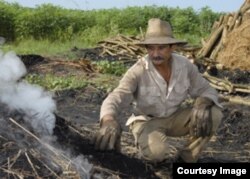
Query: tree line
point(59, 24)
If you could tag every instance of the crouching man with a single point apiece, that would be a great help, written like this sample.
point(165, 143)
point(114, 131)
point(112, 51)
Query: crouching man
point(158, 84)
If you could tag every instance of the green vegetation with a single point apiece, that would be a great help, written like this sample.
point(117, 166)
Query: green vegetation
point(55, 24)
point(55, 83)
point(116, 68)
point(41, 47)
point(51, 82)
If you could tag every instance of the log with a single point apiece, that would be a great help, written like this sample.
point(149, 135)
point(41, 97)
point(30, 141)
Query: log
point(244, 5)
point(245, 8)
point(221, 42)
point(236, 15)
point(212, 41)
point(238, 22)
point(224, 35)
point(229, 20)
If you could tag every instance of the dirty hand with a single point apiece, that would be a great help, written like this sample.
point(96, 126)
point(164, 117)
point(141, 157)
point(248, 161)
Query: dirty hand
point(201, 120)
point(108, 137)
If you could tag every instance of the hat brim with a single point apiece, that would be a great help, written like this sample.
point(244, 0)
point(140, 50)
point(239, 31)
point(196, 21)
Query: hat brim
point(161, 40)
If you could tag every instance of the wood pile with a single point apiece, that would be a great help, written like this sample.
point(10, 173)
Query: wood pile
point(229, 90)
point(122, 46)
point(225, 32)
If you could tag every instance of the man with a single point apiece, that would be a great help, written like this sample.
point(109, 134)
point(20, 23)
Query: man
point(158, 84)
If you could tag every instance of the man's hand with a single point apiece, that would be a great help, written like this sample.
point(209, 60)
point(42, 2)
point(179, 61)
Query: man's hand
point(108, 137)
point(201, 120)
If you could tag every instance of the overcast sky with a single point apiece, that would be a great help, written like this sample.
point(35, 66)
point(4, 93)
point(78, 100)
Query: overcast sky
point(215, 5)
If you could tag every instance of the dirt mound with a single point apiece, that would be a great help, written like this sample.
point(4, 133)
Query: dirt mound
point(236, 50)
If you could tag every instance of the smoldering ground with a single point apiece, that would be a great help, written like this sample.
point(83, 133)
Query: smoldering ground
point(28, 119)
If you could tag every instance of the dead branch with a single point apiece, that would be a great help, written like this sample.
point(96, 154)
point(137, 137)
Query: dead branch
point(236, 100)
point(13, 173)
point(225, 85)
point(32, 165)
point(121, 45)
point(49, 147)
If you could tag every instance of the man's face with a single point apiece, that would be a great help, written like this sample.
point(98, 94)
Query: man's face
point(159, 54)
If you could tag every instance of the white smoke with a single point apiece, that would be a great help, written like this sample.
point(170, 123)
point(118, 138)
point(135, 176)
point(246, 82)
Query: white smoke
point(11, 68)
point(2, 40)
point(37, 104)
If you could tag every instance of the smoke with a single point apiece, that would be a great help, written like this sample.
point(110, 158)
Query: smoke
point(2, 40)
point(11, 68)
point(38, 108)
point(37, 104)
point(83, 166)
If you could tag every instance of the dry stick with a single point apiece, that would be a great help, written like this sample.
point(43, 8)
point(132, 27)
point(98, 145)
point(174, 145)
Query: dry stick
point(8, 166)
point(226, 85)
point(47, 167)
point(31, 164)
point(236, 100)
point(3, 138)
point(14, 159)
point(12, 172)
point(100, 169)
point(41, 142)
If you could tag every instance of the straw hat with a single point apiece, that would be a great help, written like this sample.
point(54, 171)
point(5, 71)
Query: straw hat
point(159, 32)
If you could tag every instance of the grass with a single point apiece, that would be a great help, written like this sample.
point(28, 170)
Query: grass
point(42, 47)
point(51, 82)
point(115, 68)
point(106, 82)
point(57, 83)
point(107, 78)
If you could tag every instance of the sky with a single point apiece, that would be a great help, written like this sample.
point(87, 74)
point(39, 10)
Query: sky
point(215, 5)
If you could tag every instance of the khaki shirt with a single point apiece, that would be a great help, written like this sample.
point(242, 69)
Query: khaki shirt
point(151, 94)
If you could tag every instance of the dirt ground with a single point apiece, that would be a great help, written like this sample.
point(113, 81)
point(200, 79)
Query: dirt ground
point(77, 121)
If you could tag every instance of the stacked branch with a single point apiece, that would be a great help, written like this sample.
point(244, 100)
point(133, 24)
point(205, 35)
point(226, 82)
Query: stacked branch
point(231, 89)
point(225, 85)
point(122, 46)
point(220, 30)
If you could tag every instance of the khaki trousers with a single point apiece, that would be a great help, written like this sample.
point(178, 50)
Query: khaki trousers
point(151, 136)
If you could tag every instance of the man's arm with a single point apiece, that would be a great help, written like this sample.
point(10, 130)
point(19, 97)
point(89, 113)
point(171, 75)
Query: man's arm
point(122, 96)
point(206, 97)
point(108, 137)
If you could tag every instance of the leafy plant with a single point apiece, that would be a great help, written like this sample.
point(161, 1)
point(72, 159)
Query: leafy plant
point(114, 67)
point(54, 83)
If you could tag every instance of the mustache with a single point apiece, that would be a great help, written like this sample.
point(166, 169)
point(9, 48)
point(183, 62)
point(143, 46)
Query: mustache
point(157, 58)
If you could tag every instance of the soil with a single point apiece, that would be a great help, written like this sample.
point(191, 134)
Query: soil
point(77, 121)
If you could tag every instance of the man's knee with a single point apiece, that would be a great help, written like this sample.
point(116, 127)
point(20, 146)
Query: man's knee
point(155, 147)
